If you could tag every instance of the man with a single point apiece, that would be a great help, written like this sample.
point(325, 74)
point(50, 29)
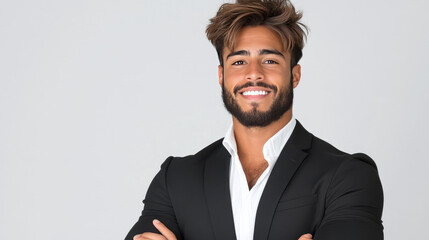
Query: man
point(268, 178)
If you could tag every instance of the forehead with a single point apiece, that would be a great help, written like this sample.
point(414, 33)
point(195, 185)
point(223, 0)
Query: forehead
point(256, 38)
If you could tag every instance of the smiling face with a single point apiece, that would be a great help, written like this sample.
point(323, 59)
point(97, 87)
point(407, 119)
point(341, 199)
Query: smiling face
point(257, 81)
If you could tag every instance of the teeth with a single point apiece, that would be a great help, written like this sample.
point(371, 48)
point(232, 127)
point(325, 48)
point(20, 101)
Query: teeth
point(254, 93)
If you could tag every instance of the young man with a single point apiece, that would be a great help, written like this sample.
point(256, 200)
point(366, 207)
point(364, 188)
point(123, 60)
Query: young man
point(268, 178)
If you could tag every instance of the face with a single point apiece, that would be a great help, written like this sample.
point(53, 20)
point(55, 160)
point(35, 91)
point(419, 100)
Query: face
point(257, 81)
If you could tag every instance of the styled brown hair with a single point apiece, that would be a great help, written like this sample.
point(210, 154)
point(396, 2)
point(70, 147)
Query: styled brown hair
point(277, 15)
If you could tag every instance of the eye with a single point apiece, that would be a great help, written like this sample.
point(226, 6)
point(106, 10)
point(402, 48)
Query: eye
point(271, 62)
point(238, 63)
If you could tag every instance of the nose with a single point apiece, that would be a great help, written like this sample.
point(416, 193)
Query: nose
point(254, 72)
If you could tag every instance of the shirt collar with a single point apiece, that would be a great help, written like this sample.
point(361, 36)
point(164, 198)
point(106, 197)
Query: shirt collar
point(272, 148)
point(229, 141)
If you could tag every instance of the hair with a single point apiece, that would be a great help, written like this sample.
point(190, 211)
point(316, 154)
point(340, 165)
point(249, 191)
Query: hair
point(277, 15)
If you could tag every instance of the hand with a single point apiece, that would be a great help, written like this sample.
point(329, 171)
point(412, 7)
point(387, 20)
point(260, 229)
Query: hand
point(306, 237)
point(166, 234)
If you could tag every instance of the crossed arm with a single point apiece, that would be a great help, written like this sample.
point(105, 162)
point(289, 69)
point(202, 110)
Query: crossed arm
point(166, 234)
point(354, 203)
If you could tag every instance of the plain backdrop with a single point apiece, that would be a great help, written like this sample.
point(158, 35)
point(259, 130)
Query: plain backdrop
point(94, 95)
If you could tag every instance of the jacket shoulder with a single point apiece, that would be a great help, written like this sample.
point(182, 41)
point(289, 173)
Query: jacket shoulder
point(200, 156)
point(326, 151)
point(209, 149)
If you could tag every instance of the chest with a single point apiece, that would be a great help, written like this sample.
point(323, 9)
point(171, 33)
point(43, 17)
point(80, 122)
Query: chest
point(253, 171)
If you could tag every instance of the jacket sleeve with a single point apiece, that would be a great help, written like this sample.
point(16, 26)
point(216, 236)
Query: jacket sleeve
point(354, 202)
point(157, 205)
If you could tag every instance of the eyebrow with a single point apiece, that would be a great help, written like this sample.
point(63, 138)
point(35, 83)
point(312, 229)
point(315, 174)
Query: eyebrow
point(270, 51)
point(241, 53)
point(261, 52)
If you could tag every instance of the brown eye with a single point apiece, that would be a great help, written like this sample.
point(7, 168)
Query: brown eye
point(238, 63)
point(270, 62)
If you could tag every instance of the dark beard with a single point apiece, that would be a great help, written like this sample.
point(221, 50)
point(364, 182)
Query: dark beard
point(254, 118)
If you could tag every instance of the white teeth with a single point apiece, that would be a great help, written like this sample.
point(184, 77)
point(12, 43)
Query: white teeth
point(254, 93)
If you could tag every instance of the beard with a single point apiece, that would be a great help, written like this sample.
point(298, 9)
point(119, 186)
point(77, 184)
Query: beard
point(254, 118)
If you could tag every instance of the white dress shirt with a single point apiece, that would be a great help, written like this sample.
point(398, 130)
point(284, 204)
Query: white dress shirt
point(244, 201)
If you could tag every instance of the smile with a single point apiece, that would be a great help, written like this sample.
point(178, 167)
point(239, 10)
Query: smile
point(254, 93)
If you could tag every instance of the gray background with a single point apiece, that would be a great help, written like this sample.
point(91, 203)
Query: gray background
point(94, 95)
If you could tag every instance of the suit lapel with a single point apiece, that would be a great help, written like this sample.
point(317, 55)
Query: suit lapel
point(216, 186)
point(288, 162)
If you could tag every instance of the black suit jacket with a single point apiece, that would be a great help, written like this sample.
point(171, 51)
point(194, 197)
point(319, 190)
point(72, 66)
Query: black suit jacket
point(313, 188)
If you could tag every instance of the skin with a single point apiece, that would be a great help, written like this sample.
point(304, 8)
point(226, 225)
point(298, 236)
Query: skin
point(250, 61)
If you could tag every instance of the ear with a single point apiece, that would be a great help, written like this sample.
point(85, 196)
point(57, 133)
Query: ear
point(296, 74)
point(220, 74)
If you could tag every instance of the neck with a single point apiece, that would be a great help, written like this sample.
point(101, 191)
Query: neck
point(250, 140)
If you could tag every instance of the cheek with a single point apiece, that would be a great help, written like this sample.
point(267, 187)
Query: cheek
point(282, 78)
point(234, 72)
point(278, 72)
point(231, 79)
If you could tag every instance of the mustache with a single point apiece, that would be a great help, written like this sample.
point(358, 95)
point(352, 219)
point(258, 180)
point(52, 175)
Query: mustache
point(255, 84)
